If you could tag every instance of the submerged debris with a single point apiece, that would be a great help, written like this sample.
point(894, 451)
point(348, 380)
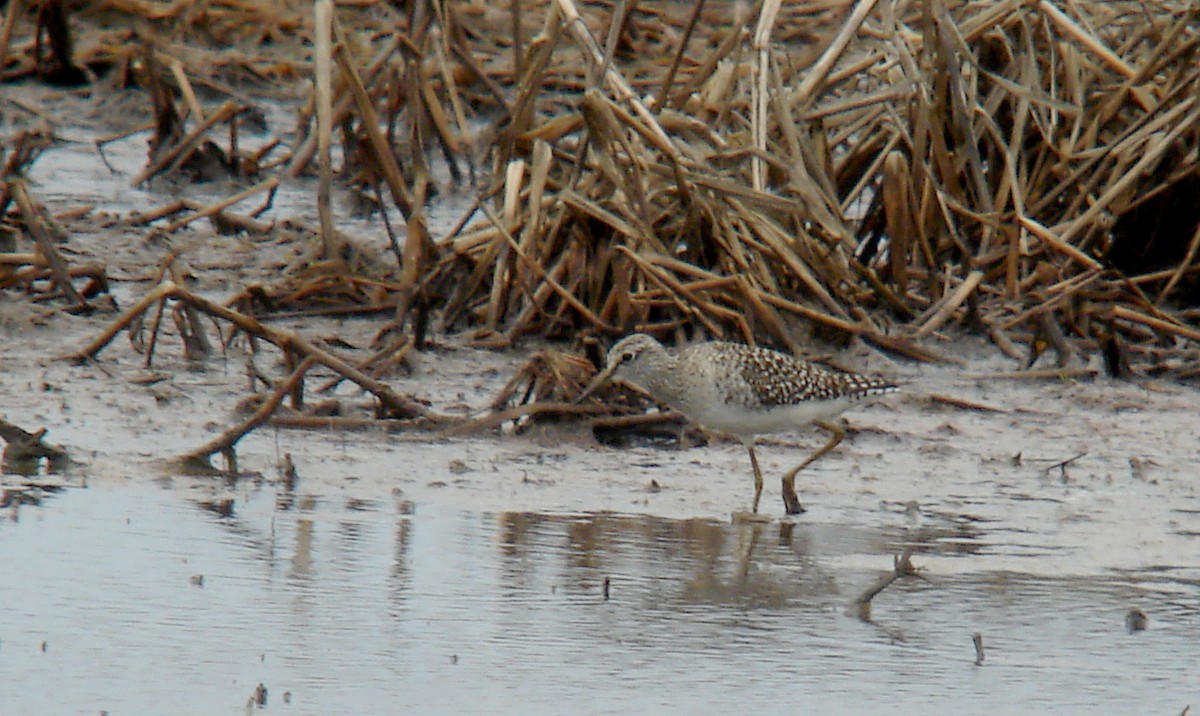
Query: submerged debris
point(24, 451)
point(1136, 620)
point(902, 566)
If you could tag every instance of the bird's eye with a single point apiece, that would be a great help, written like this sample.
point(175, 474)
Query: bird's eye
point(626, 357)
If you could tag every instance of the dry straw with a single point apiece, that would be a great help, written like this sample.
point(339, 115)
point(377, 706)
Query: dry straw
point(884, 169)
point(876, 169)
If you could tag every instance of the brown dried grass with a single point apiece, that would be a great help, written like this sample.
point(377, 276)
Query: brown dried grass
point(886, 170)
point(992, 165)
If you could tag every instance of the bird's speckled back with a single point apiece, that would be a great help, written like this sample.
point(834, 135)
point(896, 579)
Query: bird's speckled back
point(718, 373)
point(769, 378)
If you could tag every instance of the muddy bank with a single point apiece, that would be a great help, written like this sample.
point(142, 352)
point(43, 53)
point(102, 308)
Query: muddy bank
point(1120, 498)
point(1123, 498)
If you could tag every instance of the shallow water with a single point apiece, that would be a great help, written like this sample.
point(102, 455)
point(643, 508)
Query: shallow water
point(351, 606)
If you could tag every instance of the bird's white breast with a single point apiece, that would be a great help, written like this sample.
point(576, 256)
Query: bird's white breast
point(739, 420)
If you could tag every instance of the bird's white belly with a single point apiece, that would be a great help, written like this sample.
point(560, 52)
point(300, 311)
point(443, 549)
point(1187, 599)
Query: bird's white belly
point(740, 420)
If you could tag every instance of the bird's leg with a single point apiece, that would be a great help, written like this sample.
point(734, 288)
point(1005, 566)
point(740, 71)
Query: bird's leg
point(758, 481)
point(791, 503)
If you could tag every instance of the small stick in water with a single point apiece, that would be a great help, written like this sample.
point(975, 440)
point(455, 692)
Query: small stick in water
point(902, 566)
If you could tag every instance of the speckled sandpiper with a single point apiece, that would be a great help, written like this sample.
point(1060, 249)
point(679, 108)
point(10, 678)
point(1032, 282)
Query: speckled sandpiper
point(741, 390)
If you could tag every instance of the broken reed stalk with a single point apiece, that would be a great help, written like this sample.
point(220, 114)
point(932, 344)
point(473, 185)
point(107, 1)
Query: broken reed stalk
point(664, 92)
point(370, 122)
point(217, 210)
point(45, 244)
point(270, 185)
point(393, 405)
point(200, 458)
point(1089, 41)
point(185, 88)
point(324, 99)
point(152, 343)
point(191, 329)
point(902, 566)
point(537, 269)
point(950, 304)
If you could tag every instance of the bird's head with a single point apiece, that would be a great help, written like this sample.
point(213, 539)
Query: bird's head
point(630, 360)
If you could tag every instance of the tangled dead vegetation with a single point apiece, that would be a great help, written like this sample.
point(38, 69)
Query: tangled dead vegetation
point(1003, 166)
point(769, 172)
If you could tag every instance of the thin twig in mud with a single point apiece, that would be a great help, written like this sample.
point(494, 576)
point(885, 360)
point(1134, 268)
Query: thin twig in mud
point(1062, 464)
point(216, 211)
point(45, 244)
point(1041, 374)
point(1138, 466)
point(902, 567)
point(187, 321)
point(152, 343)
point(27, 269)
point(225, 442)
point(341, 423)
point(637, 420)
point(23, 260)
point(965, 404)
point(217, 207)
point(393, 405)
